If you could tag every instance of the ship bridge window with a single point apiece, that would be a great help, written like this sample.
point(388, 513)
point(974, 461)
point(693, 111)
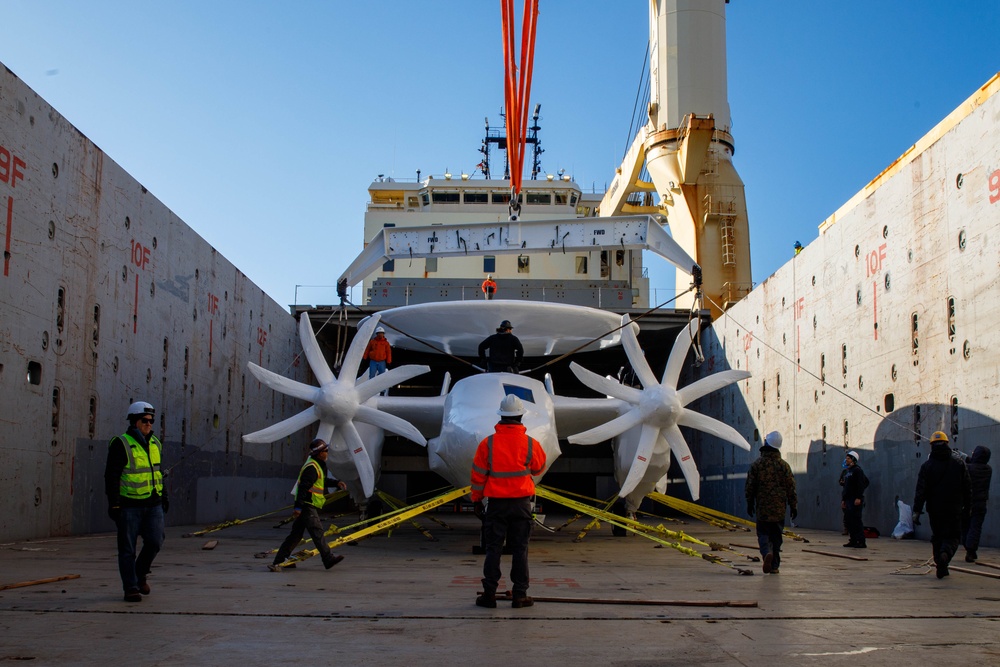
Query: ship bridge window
point(425, 198)
point(489, 264)
point(562, 198)
point(477, 198)
point(523, 393)
point(445, 197)
point(501, 197)
point(581, 264)
point(605, 267)
point(572, 200)
point(539, 198)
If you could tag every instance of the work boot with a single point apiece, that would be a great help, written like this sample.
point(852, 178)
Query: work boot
point(133, 595)
point(768, 559)
point(334, 559)
point(971, 556)
point(861, 545)
point(143, 587)
point(850, 545)
point(487, 600)
point(273, 567)
point(774, 571)
point(942, 570)
point(522, 601)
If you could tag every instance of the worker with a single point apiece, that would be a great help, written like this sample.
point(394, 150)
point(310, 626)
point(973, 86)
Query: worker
point(502, 490)
point(378, 353)
point(489, 287)
point(980, 473)
point(505, 351)
point(310, 495)
point(852, 501)
point(944, 484)
point(797, 247)
point(137, 498)
point(769, 488)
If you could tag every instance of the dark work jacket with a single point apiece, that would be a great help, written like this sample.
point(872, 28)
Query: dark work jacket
point(770, 486)
point(980, 473)
point(505, 349)
point(944, 484)
point(117, 460)
point(855, 483)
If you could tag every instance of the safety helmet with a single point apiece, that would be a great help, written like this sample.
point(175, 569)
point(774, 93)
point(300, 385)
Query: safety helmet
point(489, 276)
point(140, 408)
point(380, 330)
point(854, 455)
point(318, 446)
point(506, 325)
point(773, 439)
point(939, 436)
point(511, 406)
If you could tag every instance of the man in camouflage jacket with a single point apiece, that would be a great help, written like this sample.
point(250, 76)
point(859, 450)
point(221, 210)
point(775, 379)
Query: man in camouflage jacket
point(770, 488)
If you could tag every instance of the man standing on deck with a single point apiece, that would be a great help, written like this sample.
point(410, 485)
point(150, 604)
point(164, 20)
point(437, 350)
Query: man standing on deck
point(770, 487)
point(980, 473)
point(852, 501)
point(502, 473)
point(944, 484)
point(137, 499)
point(489, 287)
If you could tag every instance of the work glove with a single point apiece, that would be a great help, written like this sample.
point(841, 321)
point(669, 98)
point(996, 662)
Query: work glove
point(166, 505)
point(479, 509)
point(916, 518)
point(749, 509)
point(114, 513)
point(795, 513)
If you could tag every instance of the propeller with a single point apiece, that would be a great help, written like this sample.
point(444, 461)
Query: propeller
point(339, 402)
point(659, 409)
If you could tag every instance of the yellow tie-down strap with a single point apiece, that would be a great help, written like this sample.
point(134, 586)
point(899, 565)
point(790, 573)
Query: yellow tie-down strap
point(639, 528)
point(707, 513)
point(395, 518)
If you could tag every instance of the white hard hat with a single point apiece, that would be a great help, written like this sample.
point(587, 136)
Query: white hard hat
point(140, 408)
point(511, 406)
point(854, 455)
point(379, 330)
point(773, 439)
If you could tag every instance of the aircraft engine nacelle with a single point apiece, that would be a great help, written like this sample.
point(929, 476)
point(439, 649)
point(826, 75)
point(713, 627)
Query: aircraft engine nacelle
point(470, 413)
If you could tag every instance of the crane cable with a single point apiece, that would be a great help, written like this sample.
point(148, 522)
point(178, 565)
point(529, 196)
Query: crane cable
point(517, 90)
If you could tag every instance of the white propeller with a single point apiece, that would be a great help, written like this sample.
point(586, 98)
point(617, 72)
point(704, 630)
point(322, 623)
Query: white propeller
point(338, 403)
point(659, 409)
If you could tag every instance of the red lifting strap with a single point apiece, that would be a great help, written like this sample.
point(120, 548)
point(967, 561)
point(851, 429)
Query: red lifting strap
point(517, 90)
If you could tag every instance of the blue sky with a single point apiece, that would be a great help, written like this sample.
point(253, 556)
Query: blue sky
point(261, 124)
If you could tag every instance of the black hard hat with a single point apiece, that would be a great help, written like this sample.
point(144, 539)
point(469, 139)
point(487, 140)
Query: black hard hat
point(506, 325)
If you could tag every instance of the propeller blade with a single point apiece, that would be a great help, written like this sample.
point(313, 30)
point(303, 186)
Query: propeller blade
point(325, 432)
point(388, 422)
point(707, 424)
point(357, 348)
point(650, 434)
point(390, 378)
point(635, 354)
point(285, 385)
point(313, 354)
point(608, 430)
point(678, 354)
point(707, 385)
point(606, 386)
point(682, 454)
point(360, 455)
point(284, 428)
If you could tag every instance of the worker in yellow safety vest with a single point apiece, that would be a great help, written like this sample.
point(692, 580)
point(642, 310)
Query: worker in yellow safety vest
point(137, 498)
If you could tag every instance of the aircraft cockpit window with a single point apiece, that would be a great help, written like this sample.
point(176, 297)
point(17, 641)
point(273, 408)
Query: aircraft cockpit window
point(523, 393)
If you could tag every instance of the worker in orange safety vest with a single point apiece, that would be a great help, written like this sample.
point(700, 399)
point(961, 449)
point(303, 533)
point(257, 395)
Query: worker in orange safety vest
point(489, 287)
point(502, 474)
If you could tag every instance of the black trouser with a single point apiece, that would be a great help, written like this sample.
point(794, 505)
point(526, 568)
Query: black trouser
point(945, 533)
point(769, 537)
point(308, 520)
point(507, 519)
point(855, 526)
point(972, 529)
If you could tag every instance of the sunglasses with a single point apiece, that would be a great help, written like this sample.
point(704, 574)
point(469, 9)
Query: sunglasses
point(147, 420)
